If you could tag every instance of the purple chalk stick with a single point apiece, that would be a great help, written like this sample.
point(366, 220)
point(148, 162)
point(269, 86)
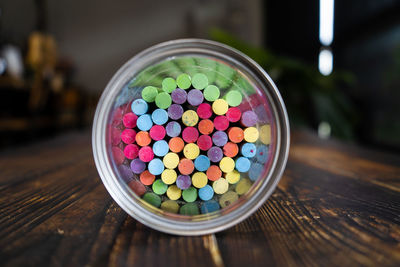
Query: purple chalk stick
point(175, 111)
point(138, 166)
point(261, 114)
point(126, 173)
point(220, 138)
point(173, 129)
point(215, 154)
point(195, 97)
point(249, 118)
point(183, 182)
point(179, 96)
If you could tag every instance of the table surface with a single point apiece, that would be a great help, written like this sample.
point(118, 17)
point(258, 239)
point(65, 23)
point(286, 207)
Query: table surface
point(336, 205)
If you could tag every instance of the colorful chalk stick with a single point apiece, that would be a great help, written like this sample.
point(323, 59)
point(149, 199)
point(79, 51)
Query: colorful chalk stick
point(175, 111)
point(221, 123)
point(153, 199)
point(215, 154)
point(146, 154)
point(183, 182)
point(248, 150)
point(230, 149)
point(220, 138)
point(129, 120)
point(143, 138)
point(149, 93)
point(190, 134)
point(228, 198)
point(214, 173)
point(184, 81)
point(137, 166)
point(199, 81)
point(159, 116)
point(227, 164)
point(128, 136)
point(235, 134)
point(139, 107)
point(209, 206)
point(251, 134)
point(170, 206)
point(190, 118)
point(220, 107)
point(204, 142)
point(199, 179)
point(202, 163)
point(186, 166)
point(173, 192)
point(147, 178)
point(204, 111)
point(206, 193)
point(195, 97)
point(169, 176)
point(171, 160)
point(131, 151)
point(206, 126)
point(173, 129)
point(160, 148)
point(144, 122)
point(157, 132)
point(168, 85)
point(179, 96)
point(211, 93)
point(191, 151)
point(163, 100)
point(176, 144)
point(156, 166)
point(234, 98)
point(232, 177)
point(249, 118)
point(159, 187)
point(190, 194)
point(234, 114)
point(220, 186)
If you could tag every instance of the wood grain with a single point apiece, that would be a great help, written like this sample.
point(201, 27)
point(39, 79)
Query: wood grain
point(337, 205)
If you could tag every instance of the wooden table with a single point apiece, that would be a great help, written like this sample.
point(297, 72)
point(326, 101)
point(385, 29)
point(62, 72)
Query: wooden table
point(337, 205)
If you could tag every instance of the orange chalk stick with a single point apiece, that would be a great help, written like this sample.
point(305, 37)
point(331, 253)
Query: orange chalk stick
point(176, 144)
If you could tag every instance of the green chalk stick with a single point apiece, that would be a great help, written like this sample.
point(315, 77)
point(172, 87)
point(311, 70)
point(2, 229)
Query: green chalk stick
point(168, 85)
point(211, 93)
point(189, 209)
point(149, 93)
point(152, 199)
point(199, 81)
point(163, 100)
point(184, 81)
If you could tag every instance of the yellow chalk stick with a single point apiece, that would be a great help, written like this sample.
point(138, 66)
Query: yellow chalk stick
point(228, 198)
point(173, 192)
point(168, 176)
point(220, 106)
point(190, 118)
point(199, 179)
point(227, 164)
point(243, 186)
point(171, 160)
point(191, 151)
point(170, 206)
point(265, 134)
point(233, 177)
point(251, 134)
point(220, 186)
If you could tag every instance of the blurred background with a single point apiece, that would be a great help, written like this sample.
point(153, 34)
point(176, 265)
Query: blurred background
point(336, 62)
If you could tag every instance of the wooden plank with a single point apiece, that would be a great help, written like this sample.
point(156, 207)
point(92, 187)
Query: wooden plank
point(335, 205)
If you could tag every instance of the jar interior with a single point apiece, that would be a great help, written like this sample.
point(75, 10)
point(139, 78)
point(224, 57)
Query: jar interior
point(178, 193)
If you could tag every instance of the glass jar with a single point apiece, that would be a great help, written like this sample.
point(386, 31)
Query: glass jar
point(259, 145)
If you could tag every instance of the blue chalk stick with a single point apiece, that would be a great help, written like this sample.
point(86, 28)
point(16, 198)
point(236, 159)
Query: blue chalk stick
point(248, 150)
point(202, 163)
point(255, 171)
point(144, 122)
point(262, 153)
point(159, 116)
point(209, 206)
point(156, 166)
point(242, 164)
point(206, 193)
point(160, 148)
point(139, 107)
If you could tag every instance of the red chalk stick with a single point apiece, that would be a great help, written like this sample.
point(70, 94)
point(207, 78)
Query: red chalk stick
point(146, 154)
point(129, 120)
point(128, 136)
point(190, 134)
point(131, 151)
point(157, 132)
point(233, 114)
point(221, 123)
point(204, 142)
point(204, 111)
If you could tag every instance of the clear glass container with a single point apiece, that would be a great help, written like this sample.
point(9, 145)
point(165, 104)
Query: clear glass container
point(236, 194)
